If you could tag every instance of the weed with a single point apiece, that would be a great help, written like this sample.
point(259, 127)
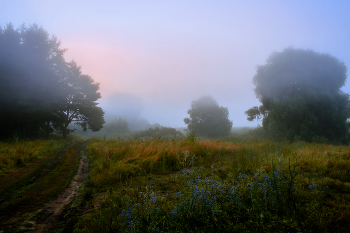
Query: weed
point(217, 186)
point(14, 155)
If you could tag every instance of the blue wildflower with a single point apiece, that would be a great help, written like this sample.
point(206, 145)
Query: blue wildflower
point(312, 187)
point(174, 211)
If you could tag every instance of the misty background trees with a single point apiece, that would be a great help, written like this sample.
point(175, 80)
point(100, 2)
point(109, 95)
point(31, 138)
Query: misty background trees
point(207, 118)
point(299, 90)
point(301, 98)
point(131, 128)
point(41, 92)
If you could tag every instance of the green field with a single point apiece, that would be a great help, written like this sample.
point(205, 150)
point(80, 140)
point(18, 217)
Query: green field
point(215, 186)
point(33, 174)
point(186, 185)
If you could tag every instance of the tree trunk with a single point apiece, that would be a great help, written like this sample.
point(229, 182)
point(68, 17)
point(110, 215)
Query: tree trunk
point(47, 128)
point(64, 132)
point(65, 125)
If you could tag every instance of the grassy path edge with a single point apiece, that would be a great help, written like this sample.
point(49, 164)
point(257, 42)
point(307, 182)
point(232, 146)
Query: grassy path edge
point(25, 199)
point(35, 171)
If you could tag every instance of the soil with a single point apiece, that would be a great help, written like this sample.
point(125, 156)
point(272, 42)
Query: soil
point(8, 181)
point(46, 218)
point(58, 207)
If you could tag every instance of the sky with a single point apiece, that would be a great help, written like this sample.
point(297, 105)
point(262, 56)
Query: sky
point(153, 58)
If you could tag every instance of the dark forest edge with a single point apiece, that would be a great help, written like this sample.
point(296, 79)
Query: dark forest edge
point(41, 92)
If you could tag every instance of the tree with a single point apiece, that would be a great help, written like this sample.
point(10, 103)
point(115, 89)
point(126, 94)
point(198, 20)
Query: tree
point(158, 132)
point(301, 97)
point(207, 118)
point(29, 60)
point(79, 106)
point(39, 90)
point(117, 126)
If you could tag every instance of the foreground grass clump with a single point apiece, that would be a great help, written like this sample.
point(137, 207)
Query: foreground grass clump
point(14, 155)
point(216, 186)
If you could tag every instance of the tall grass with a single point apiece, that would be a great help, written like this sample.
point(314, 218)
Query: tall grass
point(216, 186)
point(27, 194)
point(14, 155)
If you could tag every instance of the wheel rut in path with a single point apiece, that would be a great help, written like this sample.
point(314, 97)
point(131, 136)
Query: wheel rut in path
point(57, 208)
point(16, 181)
point(27, 205)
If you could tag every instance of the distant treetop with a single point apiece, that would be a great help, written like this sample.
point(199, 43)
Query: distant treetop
point(301, 98)
point(207, 118)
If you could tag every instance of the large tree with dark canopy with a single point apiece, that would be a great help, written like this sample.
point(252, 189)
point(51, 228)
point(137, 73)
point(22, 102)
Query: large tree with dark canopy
point(207, 118)
point(301, 97)
point(30, 85)
point(79, 106)
point(34, 87)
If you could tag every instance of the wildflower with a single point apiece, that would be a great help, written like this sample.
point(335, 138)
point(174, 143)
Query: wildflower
point(174, 211)
point(129, 212)
point(137, 205)
point(312, 187)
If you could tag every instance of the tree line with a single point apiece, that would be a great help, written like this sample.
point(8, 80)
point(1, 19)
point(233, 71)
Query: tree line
point(41, 92)
point(301, 99)
point(299, 90)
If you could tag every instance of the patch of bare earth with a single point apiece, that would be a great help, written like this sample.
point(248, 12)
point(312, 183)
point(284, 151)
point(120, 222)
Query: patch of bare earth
point(58, 207)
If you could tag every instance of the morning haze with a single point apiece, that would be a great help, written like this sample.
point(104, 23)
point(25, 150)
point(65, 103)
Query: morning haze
point(174, 116)
point(153, 59)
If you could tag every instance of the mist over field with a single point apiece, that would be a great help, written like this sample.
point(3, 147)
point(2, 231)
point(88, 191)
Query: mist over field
point(152, 59)
point(174, 116)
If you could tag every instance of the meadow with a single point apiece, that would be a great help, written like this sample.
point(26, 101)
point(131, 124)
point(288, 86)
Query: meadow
point(32, 173)
point(14, 155)
point(231, 185)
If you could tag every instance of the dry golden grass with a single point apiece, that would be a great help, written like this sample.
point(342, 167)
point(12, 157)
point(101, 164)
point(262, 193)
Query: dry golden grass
point(312, 180)
point(17, 154)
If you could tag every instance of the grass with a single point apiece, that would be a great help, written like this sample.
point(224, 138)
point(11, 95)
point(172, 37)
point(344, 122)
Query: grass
point(216, 186)
point(16, 155)
point(188, 185)
point(40, 183)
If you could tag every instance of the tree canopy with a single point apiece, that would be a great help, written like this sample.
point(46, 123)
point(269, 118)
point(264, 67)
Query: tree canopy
point(41, 92)
point(207, 118)
point(80, 95)
point(301, 98)
point(117, 126)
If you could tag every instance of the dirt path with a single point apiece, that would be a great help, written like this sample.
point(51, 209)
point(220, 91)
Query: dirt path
point(60, 177)
point(30, 174)
point(59, 206)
